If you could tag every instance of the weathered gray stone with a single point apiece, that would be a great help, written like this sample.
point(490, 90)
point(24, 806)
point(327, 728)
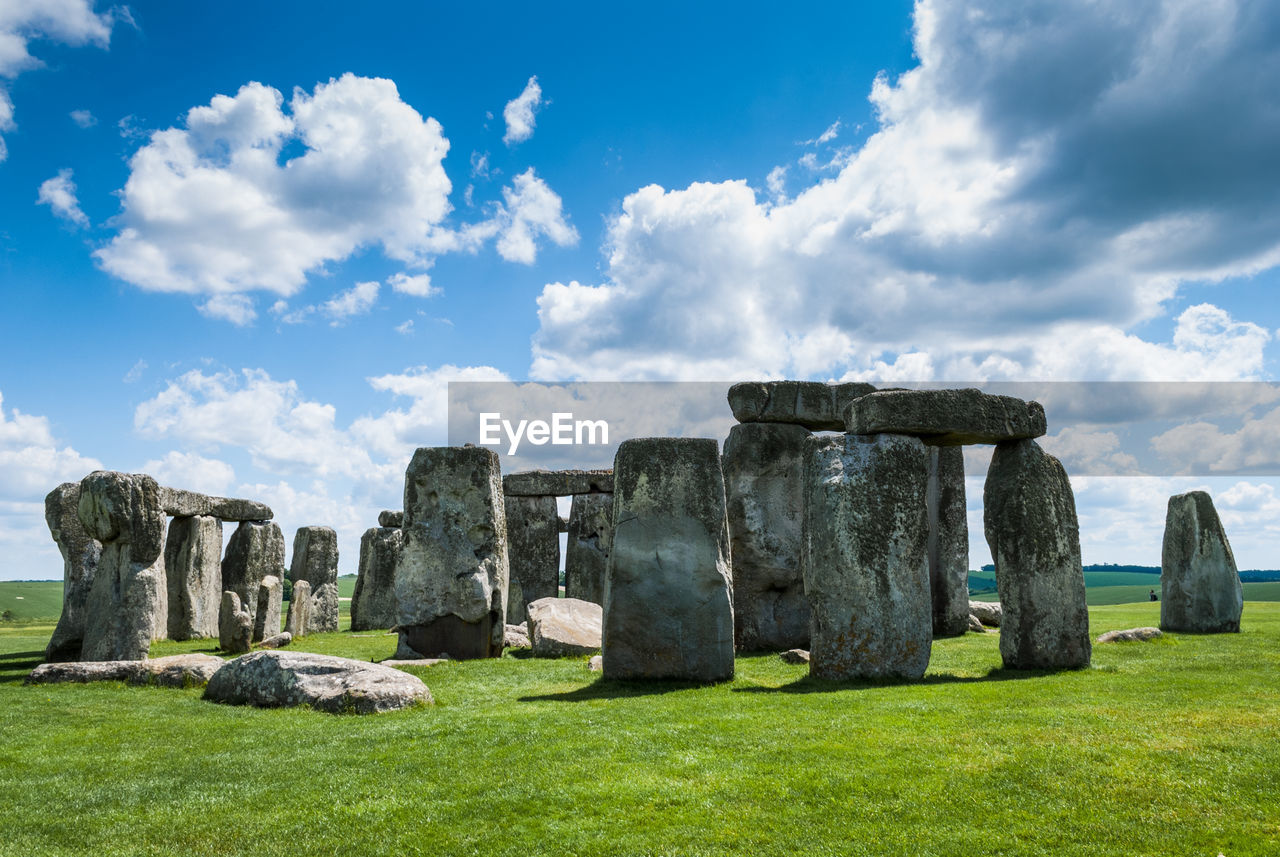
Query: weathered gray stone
point(192, 670)
point(394, 520)
point(126, 608)
point(596, 664)
point(299, 618)
point(866, 556)
point(255, 549)
point(452, 579)
point(564, 627)
point(189, 504)
point(413, 662)
point(266, 619)
point(373, 604)
point(795, 656)
point(975, 625)
point(235, 625)
point(946, 417)
point(988, 612)
point(562, 524)
point(193, 570)
point(533, 552)
point(80, 557)
point(948, 542)
point(810, 404)
point(668, 610)
point(586, 555)
point(335, 685)
point(1030, 520)
point(1130, 635)
point(1200, 587)
point(764, 492)
point(557, 483)
point(516, 636)
point(277, 641)
point(83, 672)
point(315, 560)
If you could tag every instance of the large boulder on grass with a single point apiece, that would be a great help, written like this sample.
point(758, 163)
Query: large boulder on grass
point(561, 627)
point(272, 679)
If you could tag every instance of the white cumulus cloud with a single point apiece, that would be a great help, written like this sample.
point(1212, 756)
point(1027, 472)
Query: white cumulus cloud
point(520, 113)
point(59, 193)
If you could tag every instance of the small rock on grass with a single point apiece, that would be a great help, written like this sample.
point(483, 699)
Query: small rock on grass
point(1131, 635)
point(795, 656)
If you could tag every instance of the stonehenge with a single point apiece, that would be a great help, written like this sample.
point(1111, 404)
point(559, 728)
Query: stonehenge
point(80, 556)
point(590, 538)
point(266, 619)
point(235, 625)
point(560, 627)
point(533, 549)
point(193, 566)
point(255, 550)
point(945, 417)
point(373, 604)
point(315, 560)
point(668, 610)
point(948, 541)
point(1200, 589)
point(299, 617)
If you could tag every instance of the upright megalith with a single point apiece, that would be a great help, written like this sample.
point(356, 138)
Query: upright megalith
point(235, 625)
point(948, 542)
point(587, 547)
point(315, 560)
point(865, 556)
point(126, 606)
point(373, 604)
point(255, 550)
point(1030, 520)
point(764, 492)
point(451, 582)
point(80, 557)
point(266, 619)
point(1200, 587)
point(299, 618)
point(193, 570)
point(668, 610)
point(533, 552)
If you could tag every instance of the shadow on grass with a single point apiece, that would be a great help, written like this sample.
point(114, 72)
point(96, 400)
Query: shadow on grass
point(14, 666)
point(604, 688)
point(809, 684)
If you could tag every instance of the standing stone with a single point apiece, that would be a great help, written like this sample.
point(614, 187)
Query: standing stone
point(668, 609)
point(533, 552)
point(266, 619)
point(373, 604)
point(80, 557)
point(1029, 514)
point(587, 548)
point(235, 625)
point(948, 542)
point(193, 569)
point(451, 582)
point(1200, 588)
point(315, 560)
point(299, 618)
point(866, 556)
point(764, 492)
point(126, 606)
point(255, 549)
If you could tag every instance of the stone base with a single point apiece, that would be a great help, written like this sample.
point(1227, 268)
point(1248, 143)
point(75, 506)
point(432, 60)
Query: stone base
point(461, 640)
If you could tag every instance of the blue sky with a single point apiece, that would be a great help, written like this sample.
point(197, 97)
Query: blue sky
point(245, 247)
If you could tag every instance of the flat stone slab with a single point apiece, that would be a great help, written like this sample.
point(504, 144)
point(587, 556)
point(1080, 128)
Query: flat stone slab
point(189, 504)
point(323, 682)
point(1130, 635)
point(401, 663)
point(563, 627)
point(812, 404)
point(557, 483)
point(946, 417)
point(173, 671)
point(391, 519)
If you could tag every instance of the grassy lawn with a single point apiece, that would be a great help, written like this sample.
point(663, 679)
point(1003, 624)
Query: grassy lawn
point(1161, 748)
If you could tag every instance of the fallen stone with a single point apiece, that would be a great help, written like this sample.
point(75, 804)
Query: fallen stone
point(596, 664)
point(946, 417)
point(83, 671)
point(299, 617)
point(795, 656)
point(189, 504)
point(254, 550)
point(190, 670)
point(266, 621)
point(516, 636)
point(587, 547)
point(975, 625)
point(193, 571)
point(80, 557)
point(235, 625)
point(315, 560)
point(1130, 635)
point(811, 404)
point(564, 627)
point(668, 609)
point(988, 612)
point(277, 641)
point(394, 520)
point(373, 604)
point(1200, 589)
point(948, 542)
point(866, 557)
point(1029, 515)
point(452, 579)
point(127, 604)
point(415, 662)
point(533, 552)
point(323, 682)
point(764, 494)
point(557, 483)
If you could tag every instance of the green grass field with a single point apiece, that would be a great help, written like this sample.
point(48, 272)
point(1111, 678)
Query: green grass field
point(1161, 748)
